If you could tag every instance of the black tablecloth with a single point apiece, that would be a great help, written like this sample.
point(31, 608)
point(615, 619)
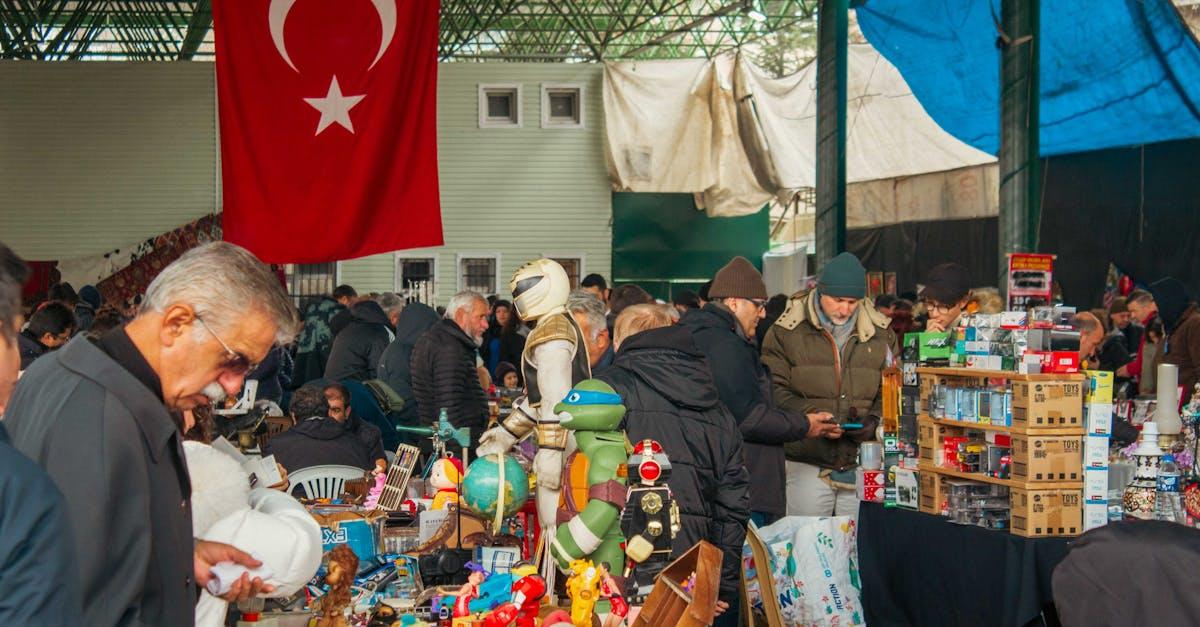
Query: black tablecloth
point(919, 569)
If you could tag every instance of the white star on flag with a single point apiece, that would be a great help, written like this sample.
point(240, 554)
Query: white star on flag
point(334, 107)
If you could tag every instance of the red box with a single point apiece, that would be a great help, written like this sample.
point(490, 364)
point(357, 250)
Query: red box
point(950, 452)
point(873, 478)
point(873, 494)
point(1058, 362)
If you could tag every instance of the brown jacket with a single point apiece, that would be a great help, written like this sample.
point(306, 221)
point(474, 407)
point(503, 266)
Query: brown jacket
point(1183, 349)
point(809, 375)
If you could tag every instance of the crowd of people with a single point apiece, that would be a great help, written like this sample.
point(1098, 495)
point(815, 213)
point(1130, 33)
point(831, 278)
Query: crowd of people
point(760, 401)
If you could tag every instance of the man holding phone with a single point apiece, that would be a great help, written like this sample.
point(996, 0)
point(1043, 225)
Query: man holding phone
point(826, 354)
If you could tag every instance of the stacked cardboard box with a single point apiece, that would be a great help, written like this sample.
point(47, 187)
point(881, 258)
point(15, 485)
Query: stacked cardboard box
point(1098, 409)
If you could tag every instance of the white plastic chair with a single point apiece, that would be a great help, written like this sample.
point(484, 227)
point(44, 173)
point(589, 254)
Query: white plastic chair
point(324, 482)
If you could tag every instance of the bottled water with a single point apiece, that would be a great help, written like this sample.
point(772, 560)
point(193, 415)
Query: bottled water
point(1167, 503)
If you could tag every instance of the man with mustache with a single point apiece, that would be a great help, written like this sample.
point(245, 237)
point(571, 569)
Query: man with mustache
point(443, 366)
point(96, 416)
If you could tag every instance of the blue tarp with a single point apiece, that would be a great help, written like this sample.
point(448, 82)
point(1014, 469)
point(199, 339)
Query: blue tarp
point(1113, 72)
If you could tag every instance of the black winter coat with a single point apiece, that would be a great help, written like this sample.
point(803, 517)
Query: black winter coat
point(357, 349)
point(744, 386)
point(30, 348)
point(394, 366)
point(444, 375)
point(320, 441)
point(670, 397)
point(38, 571)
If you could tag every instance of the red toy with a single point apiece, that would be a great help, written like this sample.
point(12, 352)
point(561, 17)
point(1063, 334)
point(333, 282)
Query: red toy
point(527, 595)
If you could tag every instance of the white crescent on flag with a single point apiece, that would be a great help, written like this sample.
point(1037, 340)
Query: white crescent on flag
point(277, 17)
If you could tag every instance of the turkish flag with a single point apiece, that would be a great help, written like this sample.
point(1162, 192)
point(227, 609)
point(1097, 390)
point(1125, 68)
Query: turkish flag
point(328, 114)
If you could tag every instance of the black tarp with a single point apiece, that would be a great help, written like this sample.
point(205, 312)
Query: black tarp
point(1138, 208)
point(910, 249)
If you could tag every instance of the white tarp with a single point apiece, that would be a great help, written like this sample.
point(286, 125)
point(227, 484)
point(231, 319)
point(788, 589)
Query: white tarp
point(725, 130)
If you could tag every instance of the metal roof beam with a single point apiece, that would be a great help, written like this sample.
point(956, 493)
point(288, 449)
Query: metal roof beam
point(198, 27)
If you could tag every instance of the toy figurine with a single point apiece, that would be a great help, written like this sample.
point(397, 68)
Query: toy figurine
point(376, 491)
point(339, 576)
point(555, 358)
point(593, 411)
point(583, 586)
point(527, 593)
point(650, 519)
point(467, 593)
point(446, 475)
point(610, 589)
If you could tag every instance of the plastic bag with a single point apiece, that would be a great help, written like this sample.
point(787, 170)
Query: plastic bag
point(814, 566)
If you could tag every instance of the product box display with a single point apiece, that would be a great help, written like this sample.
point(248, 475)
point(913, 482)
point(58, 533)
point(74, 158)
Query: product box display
point(1041, 513)
point(931, 497)
point(907, 488)
point(1095, 452)
point(929, 346)
point(1095, 514)
point(869, 485)
point(1099, 386)
point(1095, 484)
point(1099, 418)
point(1047, 404)
point(1047, 458)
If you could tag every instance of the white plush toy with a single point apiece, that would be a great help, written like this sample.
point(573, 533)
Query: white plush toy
point(268, 523)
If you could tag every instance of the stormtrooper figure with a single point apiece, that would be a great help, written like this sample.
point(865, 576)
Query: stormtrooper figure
point(555, 359)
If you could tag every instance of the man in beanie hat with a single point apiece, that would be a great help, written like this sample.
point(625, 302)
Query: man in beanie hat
point(724, 331)
point(826, 354)
point(946, 292)
point(1122, 322)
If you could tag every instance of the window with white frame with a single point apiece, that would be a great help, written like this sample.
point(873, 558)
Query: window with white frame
point(572, 265)
point(416, 274)
point(562, 105)
point(479, 273)
point(500, 105)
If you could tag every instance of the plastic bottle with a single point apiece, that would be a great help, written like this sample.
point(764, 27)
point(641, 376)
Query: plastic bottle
point(1167, 502)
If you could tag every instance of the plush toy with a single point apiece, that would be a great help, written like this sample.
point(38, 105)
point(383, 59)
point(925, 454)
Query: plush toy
point(343, 564)
point(446, 476)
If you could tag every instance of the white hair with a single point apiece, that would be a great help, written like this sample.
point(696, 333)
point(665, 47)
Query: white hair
point(586, 303)
point(462, 300)
point(390, 302)
point(222, 282)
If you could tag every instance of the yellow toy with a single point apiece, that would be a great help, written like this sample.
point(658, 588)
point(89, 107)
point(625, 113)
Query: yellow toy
point(445, 476)
point(583, 586)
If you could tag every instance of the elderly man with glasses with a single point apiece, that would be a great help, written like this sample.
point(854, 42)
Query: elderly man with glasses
point(724, 331)
point(97, 416)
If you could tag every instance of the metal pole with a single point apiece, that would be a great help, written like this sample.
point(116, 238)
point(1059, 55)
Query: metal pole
point(832, 26)
point(1020, 197)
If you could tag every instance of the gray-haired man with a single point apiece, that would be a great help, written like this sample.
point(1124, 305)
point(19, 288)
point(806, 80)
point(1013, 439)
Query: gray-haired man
point(589, 314)
point(443, 366)
point(95, 416)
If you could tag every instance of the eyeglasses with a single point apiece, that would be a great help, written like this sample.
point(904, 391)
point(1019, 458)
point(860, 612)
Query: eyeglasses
point(933, 307)
point(758, 302)
point(235, 362)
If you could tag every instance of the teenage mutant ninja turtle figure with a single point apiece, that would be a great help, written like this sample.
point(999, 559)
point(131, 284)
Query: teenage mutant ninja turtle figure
point(593, 411)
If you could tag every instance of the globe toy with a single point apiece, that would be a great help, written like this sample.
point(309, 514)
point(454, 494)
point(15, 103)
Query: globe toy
point(481, 487)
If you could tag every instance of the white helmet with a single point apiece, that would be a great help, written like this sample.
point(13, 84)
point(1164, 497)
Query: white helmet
point(539, 287)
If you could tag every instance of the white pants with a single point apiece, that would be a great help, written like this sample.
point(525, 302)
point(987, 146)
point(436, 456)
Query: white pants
point(810, 495)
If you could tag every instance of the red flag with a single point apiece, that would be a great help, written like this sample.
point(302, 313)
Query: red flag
point(328, 115)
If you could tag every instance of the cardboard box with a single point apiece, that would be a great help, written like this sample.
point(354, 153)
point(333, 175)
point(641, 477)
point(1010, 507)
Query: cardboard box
point(1013, 319)
point(929, 440)
point(1095, 514)
point(1047, 404)
point(1095, 451)
point(358, 530)
point(1047, 458)
point(1095, 484)
point(931, 496)
point(1099, 386)
point(1057, 362)
point(929, 346)
point(907, 489)
point(1045, 513)
point(870, 485)
point(1099, 417)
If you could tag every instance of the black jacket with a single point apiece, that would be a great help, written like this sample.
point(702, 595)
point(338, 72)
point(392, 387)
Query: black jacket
point(670, 397)
point(30, 348)
point(744, 386)
point(274, 374)
point(369, 436)
point(38, 584)
point(319, 441)
point(414, 321)
point(110, 446)
point(444, 375)
point(357, 349)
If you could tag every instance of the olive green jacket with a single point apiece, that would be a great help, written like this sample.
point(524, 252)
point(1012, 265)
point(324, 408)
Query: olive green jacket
point(810, 375)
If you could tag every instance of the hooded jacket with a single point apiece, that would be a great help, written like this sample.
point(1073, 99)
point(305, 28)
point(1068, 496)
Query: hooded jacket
point(30, 348)
point(444, 376)
point(744, 386)
point(394, 365)
point(319, 441)
point(811, 375)
point(1181, 323)
point(266, 522)
point(670, 397)
point(357, 349)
